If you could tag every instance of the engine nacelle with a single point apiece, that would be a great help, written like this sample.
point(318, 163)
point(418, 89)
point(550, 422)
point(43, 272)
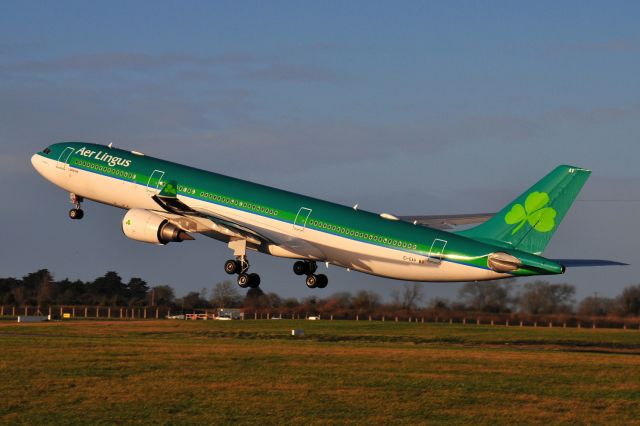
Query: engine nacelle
point(148, 227)
point(503, 262)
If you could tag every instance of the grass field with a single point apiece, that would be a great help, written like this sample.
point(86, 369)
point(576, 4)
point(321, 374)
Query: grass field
point(340, 372)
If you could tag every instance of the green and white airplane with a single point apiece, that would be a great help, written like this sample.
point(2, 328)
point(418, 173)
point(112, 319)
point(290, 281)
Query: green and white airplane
point(167, 202)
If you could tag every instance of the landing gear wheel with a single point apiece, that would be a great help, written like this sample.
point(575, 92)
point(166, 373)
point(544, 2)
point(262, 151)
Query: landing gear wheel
point(322, 280)
point(232, 267)
point(244, 280)
point(300, 268)
point(312, 281)
point(254, 280)
point(304, 267)
point(76, 214)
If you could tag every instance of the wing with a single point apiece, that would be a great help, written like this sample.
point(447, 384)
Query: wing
point(448, 222)
point(184, 214)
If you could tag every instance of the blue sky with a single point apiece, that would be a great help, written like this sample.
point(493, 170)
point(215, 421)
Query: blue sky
point(408, 108)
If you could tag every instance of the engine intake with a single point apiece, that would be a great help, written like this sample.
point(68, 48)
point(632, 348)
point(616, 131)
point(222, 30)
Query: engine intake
point(148, 227)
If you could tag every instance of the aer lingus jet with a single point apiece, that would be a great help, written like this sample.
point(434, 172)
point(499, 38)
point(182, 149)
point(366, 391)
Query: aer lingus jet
point(167, 202)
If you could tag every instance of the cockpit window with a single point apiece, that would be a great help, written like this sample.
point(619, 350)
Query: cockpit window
point(46, 150)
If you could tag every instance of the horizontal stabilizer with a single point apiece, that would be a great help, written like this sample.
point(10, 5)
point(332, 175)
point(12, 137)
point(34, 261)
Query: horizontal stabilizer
point(448, 221)
point(576, 263)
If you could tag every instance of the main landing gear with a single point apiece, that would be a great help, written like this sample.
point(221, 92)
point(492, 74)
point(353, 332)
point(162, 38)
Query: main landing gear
point(76, 212)
point(240, 266)
point(309, 268)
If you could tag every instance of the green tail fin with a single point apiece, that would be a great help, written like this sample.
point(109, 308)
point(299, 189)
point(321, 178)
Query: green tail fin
point(528, 223)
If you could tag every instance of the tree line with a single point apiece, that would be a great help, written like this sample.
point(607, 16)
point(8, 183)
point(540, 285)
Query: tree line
point(491, 297)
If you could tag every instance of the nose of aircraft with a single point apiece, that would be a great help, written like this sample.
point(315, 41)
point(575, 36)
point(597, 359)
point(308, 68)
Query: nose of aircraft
point(34, 161)
point(37, 163)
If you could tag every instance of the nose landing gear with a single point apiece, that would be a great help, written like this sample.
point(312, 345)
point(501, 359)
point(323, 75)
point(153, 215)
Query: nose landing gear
point(76, 212)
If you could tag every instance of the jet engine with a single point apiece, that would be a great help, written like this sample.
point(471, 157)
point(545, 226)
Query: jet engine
point(148, 227)
point(503, 262)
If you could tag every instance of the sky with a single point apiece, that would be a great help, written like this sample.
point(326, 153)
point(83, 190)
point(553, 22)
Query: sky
point(402, 107)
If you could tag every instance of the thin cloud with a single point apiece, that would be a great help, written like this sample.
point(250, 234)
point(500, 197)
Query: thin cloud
point(245, 65)
point(20, 48)
point(592, 116)
point(509, 128)
point(125, 61)
point(608, 46)
point(613, 46)
point(292, 73)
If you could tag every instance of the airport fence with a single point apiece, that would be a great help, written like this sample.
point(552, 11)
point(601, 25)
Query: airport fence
point(87, 312)
point(424, 316)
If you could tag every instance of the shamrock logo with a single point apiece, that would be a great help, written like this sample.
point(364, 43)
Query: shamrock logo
point(534, 211)
point(169, 189)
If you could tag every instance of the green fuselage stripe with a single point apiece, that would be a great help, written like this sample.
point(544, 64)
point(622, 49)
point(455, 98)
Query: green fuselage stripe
point(326, 217)
point(272, 213)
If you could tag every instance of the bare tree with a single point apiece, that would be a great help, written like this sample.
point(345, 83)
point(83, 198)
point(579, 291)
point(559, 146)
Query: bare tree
point(161, 295)
point(256, 299)
point(440, 304)
point(226, 295)
point(193, 300)
point(487, 296)
point(45, 290)
point(365, 302)
point(629, 300)
point(409, 298)
point(339, 304)
point(596, 306)
point(541, 297)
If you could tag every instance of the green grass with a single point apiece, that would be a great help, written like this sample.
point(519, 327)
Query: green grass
point(340, 372)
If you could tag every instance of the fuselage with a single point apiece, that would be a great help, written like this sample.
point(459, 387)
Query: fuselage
point(298, 227)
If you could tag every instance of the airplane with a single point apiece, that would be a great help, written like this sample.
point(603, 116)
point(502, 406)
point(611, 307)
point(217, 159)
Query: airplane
point(168, 202)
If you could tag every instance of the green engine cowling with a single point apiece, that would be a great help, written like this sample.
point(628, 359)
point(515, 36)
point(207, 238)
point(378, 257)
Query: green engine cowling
point(523, 264)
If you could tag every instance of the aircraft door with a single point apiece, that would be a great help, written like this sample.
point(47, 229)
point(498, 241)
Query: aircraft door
point(155, 182)
point(437, 250)
point(63, 160)
point(300, 222)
